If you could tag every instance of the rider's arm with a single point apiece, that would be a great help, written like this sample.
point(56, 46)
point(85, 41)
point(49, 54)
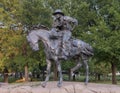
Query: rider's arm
point(70, 19)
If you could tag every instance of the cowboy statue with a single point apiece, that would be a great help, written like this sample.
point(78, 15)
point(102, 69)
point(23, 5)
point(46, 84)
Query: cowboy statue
point(62, 28)
point(59, 45)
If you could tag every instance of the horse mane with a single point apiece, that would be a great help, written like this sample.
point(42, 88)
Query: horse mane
point(39, 26)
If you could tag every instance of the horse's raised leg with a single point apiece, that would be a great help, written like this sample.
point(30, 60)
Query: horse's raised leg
point(60, 74)
point(85, 61)
point(48, 73)
point(79, 64)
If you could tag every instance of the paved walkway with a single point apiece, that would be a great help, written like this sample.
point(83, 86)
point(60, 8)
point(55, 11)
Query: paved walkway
point(68, 87)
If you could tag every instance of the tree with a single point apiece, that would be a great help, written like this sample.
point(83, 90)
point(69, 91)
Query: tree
point(103, 31)
point(33, 12)
point(9, 48)
point(8, 10)
point(98, 23)
point(9, 39)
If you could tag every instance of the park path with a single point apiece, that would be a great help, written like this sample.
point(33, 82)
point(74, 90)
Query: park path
point(68, 87)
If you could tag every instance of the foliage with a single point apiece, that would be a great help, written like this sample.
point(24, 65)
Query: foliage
point(8, 11)
point(33, 12)
point(99, 25)
point(9, 46)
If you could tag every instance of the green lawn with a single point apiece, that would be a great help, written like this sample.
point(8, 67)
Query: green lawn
point(78, 79)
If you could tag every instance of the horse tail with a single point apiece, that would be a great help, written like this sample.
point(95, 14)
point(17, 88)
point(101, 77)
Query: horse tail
point(88, 49)
point(84, 47)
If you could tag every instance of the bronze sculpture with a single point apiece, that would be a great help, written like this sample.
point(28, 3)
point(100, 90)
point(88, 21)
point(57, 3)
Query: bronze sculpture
point(52, 39)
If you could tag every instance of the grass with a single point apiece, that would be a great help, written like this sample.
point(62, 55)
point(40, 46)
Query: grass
point(78, 79)
point(92, 79)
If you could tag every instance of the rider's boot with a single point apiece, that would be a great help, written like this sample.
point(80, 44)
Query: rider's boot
point(63, 55)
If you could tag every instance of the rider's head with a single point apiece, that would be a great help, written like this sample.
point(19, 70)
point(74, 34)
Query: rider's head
point(58, 13)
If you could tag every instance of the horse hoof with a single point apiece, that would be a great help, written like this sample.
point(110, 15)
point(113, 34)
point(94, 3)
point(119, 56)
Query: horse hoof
point(43, 85)
point(86, 83)
point(59, 85)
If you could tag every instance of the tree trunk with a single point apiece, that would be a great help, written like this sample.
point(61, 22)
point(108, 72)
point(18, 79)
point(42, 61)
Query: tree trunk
point(55, 72)
point(113, 67)
point(16, 74)
point(26, 72)
point(95, 77)
point(69, 74)
point(21, 76)
point(43, 74)
point(98, 77)
point(5, 75)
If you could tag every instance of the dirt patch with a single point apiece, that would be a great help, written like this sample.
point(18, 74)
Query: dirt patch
point(68, 87)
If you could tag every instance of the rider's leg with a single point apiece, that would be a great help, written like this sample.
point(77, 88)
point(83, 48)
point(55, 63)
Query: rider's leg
point(66, 43)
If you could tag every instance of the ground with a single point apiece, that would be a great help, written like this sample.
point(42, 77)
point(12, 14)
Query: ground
point(68, 87)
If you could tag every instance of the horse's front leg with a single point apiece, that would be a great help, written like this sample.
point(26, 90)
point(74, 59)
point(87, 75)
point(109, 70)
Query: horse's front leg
point(48, 73)
point(60, 74)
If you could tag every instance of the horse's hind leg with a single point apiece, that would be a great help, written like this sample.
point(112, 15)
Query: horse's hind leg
point(79, 64)
point(48, 73)
point(85, 61)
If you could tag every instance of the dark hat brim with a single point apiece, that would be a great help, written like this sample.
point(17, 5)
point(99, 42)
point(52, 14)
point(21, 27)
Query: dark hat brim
point(58, 13)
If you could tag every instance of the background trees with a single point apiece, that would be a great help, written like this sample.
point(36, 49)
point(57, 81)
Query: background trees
point(106, 31)
point(99, 25)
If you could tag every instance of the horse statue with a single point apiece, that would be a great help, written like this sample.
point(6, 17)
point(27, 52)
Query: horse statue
point(80, 51)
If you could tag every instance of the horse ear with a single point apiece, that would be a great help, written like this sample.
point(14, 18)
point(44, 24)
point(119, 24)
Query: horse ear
point(28, 39)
